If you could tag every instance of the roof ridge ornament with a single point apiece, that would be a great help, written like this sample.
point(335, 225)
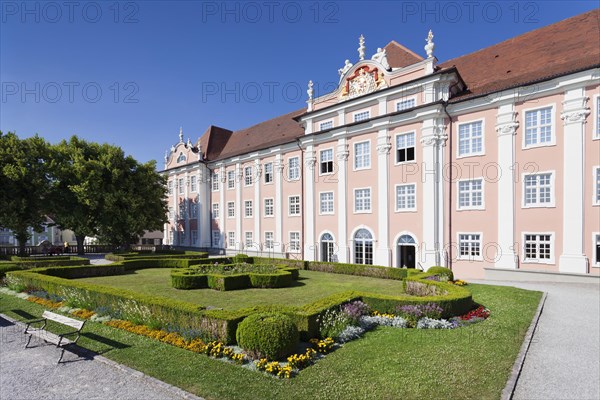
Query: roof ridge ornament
point(430, 45)
point(342, 71)
point(310, 93)
point(180, 134)
point(361, 48)
point(381, 57)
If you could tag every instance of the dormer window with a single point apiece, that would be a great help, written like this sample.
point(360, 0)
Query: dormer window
point(181, 158)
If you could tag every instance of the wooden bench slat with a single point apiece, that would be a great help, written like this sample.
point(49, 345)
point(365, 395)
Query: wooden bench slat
point(73, 323)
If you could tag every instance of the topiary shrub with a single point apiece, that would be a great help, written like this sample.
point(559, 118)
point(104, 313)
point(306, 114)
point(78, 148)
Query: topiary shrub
point(270, 335)
point(242, 258)
point(442, 272)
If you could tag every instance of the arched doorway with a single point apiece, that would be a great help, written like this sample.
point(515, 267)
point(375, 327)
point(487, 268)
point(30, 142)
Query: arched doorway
point(327, 248)
point(407, 247)
point(363, 247)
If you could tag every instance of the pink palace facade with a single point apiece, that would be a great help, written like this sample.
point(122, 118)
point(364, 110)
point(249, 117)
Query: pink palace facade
point(487, 161)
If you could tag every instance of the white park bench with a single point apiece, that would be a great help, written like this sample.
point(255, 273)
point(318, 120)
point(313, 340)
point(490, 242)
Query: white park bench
point(59, 340)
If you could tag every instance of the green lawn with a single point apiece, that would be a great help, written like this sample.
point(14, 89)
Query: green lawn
point(388, 363)
point(311, 286)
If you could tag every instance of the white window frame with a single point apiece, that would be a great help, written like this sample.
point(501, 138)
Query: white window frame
point(299, 205)
point(552, 202)
point(355, 168)
point(326, 122)
point(193, 209)
point(193, 183)
point(404, 100)
point(357, 114)
point(194, 237)
point(470, 257)
point(231, 240)
point(552, 142)
point(230, 208)
point(272, 207)
point(537, 260)
point(470, 191)
point(396, 162)
point(214, 181)
point(297, 169)
point(170, 187)
point(171, 213)
point(267, 173)
point(248, 234)
point(593, 262)
point(215, 210)
point(292, 248)
point(246, 209)
point(332, 201)
point(321, 161)
point(471, 153)
point(180, 185)
point(248, 178)
point(596, 185)
point(396, 187)
point(596, 132)
point(214, 235)
point(271, 245)
point(365, 211)
point(230, 180)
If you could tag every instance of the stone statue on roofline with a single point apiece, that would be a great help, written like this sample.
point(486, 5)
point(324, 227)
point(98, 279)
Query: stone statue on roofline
point(381, 57)
point(342, 71)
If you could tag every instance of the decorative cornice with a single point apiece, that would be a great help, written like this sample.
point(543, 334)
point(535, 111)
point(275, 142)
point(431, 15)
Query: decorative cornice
point(575, 116)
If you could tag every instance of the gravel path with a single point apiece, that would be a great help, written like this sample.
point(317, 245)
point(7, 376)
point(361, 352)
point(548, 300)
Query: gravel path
point(563, 361)
point(33, 373)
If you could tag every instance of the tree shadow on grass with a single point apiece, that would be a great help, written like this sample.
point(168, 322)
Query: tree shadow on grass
point(109, 344)
point(24, 314)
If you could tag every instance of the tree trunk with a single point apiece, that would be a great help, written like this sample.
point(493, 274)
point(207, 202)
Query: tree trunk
point(80, 249)
point(22, 239)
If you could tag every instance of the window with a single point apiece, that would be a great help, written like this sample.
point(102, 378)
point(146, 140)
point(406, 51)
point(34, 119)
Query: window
point(171, 237)
point(193, 183)
point(361, 116)
point(326, 125)
point(194, 237)
point(469, 245)
point(215, 210)
point(326, 203)
point(326, 161)
point(248, 208)
point(268, 240)
point(216, 238)
point(405, 147)
point(268, 172)
point(294, 205)
point(470, 139)
point(230, 209)
point(181, 186)
point(406, 198)
point(182, 210)
point(231, 239)
point(248, 176)
point(294, 169)
point(405, 104)
point(171, 213)
point(598, 117)
point(362, 155)
point(470, 194)
point(214, 179)
point(182, 237)
point(230, 179)
point(327, 248)
point(362, 200)
point(269, 207)
point(294, 241)
point(363, 247)
point(538, 127)
point(248, 240)
point(170, 187)
point(181, 158)
point(538, 190)
point(193, 210)
point(597, 249)
point(597, 191)
point(538, 247)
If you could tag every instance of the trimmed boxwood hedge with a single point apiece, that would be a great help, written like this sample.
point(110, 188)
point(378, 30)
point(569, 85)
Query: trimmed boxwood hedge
point(154, 256)
point(188, 279)
point(272, 336)
point(215, 324)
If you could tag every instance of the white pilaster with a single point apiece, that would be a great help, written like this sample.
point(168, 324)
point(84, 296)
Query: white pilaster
point(383, 151)
point(506, 127)
point(309, 204)
point(342, 194)
point(204, 222)
point(222, 205)
point(279, 168)
point(238, 206)
point(574, 115)
point(186, 201)
point(258, 239)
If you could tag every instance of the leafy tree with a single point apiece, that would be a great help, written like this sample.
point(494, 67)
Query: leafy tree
point(101, 192)
point(24, 185)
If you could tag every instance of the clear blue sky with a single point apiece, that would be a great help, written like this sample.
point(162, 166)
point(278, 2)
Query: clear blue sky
point(132, 73)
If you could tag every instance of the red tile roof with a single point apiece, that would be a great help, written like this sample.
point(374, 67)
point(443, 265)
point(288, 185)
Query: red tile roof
point(564, 47)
